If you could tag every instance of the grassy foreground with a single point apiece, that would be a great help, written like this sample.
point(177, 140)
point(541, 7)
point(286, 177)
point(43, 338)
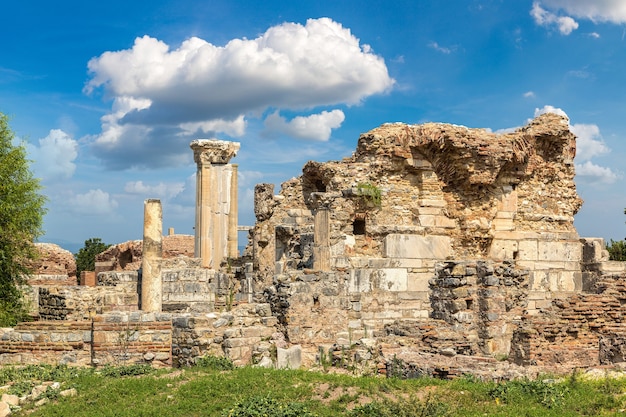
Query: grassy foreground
point(213, 389)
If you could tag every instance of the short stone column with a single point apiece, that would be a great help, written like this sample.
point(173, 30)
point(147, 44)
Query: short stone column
point(321, 230)
point(214, 198)
point(151, 284)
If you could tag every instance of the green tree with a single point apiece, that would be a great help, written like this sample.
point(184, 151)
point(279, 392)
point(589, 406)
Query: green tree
point(21, 216)
point(86, 256)
point(617, 249)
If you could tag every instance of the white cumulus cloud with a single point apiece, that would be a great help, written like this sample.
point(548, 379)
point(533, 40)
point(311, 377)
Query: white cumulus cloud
point(96, 202)
point(596, 173)
point(314, 127)
point(234, 128)
point(543, 17)
point(550, 109)
point(54, 156)
point(164, 95)
point(589, 144)
point(613, 11)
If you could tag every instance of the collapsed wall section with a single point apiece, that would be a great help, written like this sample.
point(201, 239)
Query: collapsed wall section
point(433, 192)
point(467, 308)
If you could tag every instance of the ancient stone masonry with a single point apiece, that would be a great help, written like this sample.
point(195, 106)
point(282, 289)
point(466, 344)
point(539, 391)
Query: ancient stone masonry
point(55, 265)
point(353, 247)
point(582, 330)
point(447, 191)
point(433, 250)
point(126, 256)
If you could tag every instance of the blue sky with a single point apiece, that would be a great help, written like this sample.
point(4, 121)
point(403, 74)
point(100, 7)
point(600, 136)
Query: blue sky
point(109, 95)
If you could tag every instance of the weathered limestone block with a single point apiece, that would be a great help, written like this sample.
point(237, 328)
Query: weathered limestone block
point(290, 358)
point(417, 247)
point(561, 251)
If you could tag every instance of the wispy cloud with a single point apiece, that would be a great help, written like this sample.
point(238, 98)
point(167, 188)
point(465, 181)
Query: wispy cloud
point(93, 202)
point(158, 190)
point(597, 173)
point(559, 13)
point(442, 49)
point(543, 17)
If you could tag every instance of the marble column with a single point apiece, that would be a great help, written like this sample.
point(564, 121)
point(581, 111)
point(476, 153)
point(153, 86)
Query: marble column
point(214, 199)
point(233, 250)
point(151, 284)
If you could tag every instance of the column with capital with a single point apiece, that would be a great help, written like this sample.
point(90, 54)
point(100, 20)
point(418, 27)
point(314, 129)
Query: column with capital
point(214, 199)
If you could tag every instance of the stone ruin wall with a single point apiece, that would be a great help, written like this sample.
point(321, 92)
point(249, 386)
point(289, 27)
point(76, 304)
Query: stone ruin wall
point(55, 266)
point(448, 192)
point(471, 255)
point(127, 256)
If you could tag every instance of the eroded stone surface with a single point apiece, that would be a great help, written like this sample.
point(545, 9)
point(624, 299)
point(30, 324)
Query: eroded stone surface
point(212, 151)
point(456, 191)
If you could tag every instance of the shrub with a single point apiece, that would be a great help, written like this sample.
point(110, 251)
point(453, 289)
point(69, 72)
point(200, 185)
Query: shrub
point(547, 393)
point(370, 192)
point(126, 370)
point(218, 363)
point(410, 408)
point(267, 407)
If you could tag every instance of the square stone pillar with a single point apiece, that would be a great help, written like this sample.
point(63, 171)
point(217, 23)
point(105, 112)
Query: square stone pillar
point(214, 199)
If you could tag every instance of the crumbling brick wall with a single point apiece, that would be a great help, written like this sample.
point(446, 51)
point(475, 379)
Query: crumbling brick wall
point(586, 329)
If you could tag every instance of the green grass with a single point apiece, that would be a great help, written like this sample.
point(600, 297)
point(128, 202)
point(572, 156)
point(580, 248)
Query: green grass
point(208, 390)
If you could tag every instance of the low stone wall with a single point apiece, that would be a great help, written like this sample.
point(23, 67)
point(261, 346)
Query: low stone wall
point(76, 302)
point(119, 338)
point(186, 288)
point(246, 334)
point(46, 279)
point(193, 289)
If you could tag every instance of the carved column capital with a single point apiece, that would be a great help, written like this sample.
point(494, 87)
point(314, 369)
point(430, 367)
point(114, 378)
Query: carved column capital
point(213, 151)
point(323, 201)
